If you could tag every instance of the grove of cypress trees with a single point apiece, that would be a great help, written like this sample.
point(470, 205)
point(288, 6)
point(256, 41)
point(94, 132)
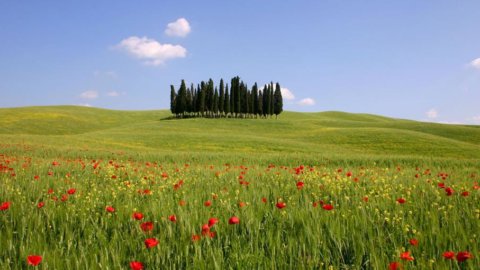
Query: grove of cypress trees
point(206, 100)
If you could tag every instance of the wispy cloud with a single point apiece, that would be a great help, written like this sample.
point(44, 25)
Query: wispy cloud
point(475, 63)
point(432, 114)
point(178, 28)
point(306, 102)
point(89, 94)
point(151, 51)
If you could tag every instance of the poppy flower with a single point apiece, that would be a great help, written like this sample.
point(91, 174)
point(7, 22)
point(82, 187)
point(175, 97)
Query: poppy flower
point(413, 242)
point(137, 216)
point(281, 205)
point(182, 203)
point(4, 206)
point(205, 229)
point(264, 200)
point(151, 242)
point(401, 200)
point(406, 256)
point(147, 226)
point(195, 237)
point(394, 266)
point(34, 260)
point(172, 218)
point(449, 191)
point(463, 256)
point(110, 209)
point(71, 191)
point(136, 266)
point(242, 204)
point(449, 255)
point(212, 221)
point(233, 220)
point(40, 205)
point(349, 174)
point(207, 203)
point(300, 185)
point(465, 193)
point(327, 207)
point(365, 198)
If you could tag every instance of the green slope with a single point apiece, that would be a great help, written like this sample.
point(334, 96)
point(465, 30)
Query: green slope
point(297, 135)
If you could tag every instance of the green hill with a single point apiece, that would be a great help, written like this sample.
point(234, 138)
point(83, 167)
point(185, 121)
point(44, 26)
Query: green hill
point(298, 136)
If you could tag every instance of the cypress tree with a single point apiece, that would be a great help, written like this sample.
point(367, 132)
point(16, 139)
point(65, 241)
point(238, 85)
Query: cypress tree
point(173, 94)
point(260, 104)
point(227, 102)
point(277, 100)
point(271, 100)
point(202, 98)
point(254, 100)
point(215, 102)
point(181, 100)
point(221, 100)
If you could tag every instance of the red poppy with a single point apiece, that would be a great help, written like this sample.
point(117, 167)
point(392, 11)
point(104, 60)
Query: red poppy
point(233, 220)
point(281, 205)
point(195, 237)
point(242, 204)
point(172, 218)
point(465, 193)
point(4, 206)
point(40, 205)
point(71, 191)
point(147, 226)
point(110, 209)
point(449, 255)
point(136, 266)
point(413, 242)
point(182, 203)
point(401, 200)
point(34, 260)
point(264, 200)
point(365, 198)
point(463, 256)
point(151, 242)
point(406, 256)
point(300, 185)
point(327, 207)
point(349, 174)
point(212, 221)
point(449, 191)
point(394, 266)
point(137, 216)
point(207, 203)
point(205, 229)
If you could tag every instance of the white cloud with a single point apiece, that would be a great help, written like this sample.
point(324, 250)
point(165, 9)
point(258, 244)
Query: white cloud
point(306, 102)
point(153, 52)
point(432, 114)
point(287, 94)
point(89, 94)
point(113, 94)
point(178, 28)
point(85, 105)
point(475, 63)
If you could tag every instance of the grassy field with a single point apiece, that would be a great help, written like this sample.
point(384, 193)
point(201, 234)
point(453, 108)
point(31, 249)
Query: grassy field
point(360, 191)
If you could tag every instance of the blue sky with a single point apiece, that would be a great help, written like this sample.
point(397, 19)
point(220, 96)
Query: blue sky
point(407, 59)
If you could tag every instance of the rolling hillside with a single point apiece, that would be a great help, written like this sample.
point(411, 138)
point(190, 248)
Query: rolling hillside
point(327, 135)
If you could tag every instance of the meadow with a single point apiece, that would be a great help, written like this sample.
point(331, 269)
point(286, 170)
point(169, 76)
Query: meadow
point(87, 188)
